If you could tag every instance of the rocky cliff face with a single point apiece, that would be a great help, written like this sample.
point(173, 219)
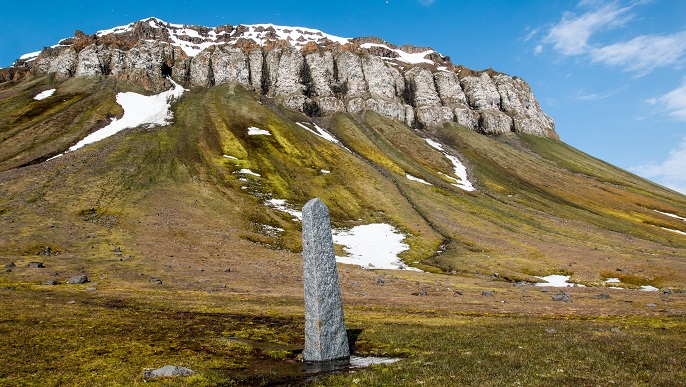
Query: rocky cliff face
point(304, 69)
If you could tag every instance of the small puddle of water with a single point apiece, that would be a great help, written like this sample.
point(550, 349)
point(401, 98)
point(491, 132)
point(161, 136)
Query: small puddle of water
point(294, 372)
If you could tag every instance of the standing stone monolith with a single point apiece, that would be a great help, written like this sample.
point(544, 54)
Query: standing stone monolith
point(325, 335)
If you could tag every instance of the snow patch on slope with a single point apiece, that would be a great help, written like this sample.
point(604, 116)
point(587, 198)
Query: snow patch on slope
point(253, 131)
point(372, 246)
point(139, 110)
point(44, 94)
point(404, 56)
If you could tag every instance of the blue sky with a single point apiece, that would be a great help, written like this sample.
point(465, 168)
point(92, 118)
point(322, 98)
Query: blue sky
point(611, 73)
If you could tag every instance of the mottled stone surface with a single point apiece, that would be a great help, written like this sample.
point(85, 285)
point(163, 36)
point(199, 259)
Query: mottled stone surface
point(325, 335)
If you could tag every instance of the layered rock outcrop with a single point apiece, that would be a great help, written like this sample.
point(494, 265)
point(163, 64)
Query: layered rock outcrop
point(304, 69)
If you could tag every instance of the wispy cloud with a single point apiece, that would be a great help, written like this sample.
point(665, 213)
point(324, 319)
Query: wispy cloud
point(574, 35)
point(674, 103)
point(584, 96)
point(643, 53)
point(426, 2)
point(670, 172)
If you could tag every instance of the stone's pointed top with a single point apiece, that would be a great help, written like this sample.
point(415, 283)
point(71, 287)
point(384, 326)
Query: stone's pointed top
point(315, 205)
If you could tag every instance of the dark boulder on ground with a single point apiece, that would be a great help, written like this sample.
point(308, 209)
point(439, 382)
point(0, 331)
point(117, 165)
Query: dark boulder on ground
point(562, 296)
point(36, 265)
point(78, 279)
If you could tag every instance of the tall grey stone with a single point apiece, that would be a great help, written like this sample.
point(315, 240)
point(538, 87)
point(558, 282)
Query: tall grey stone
point(325, 335)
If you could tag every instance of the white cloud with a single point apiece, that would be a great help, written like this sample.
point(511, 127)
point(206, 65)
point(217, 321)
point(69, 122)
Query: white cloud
point(573, 36)
point(643, 53)
point(583, 96)
point(670, 172)
point(675, 103)
point(426, 2)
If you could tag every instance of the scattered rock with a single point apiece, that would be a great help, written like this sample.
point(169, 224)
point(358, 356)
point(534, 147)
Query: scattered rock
point(46, 251)
point(381, 280)
point(487, 293)
point(71, 302)
point(603, 296)
point(545, 290)
point(91, 289)
point(36, 265)
point(421, 293)
point(651, 305)
point(615, 330)
point(156, 280)
point(78, 279)
point(51, 282)
point(562, 296)
point(551, 330)
point(458, 293)
point(167, 371)
point(667, 291)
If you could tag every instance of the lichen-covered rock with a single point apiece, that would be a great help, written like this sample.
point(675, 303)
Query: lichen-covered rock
point(467, 117)
point(351, 81)
point(434, 115)
point(380, 80)
point(390, 109)
point(288, 72)
point(255, 60)
point(449, 89)
point(509, 97)
point(355, 105)
point(296, 102)
point(201, 69)
point(422, 88)
point(89, 62)
point(63, 64)
point(495, 122)
point(229, 64)
point(329, 105)
point(321, 68)
point(481, 92)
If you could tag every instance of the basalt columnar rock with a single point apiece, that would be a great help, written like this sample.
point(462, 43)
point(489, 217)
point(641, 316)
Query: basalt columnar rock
point(325, 334)
point(304, 69)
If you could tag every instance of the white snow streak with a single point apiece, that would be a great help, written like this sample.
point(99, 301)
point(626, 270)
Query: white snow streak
point(30, 55)
point(671, 215)
point(414, 178)
point(404, 56)
point(282, 205)
point(458, 168)
point(44, 94)
point(673, 230)
point(253, 131)
point(246, 171)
